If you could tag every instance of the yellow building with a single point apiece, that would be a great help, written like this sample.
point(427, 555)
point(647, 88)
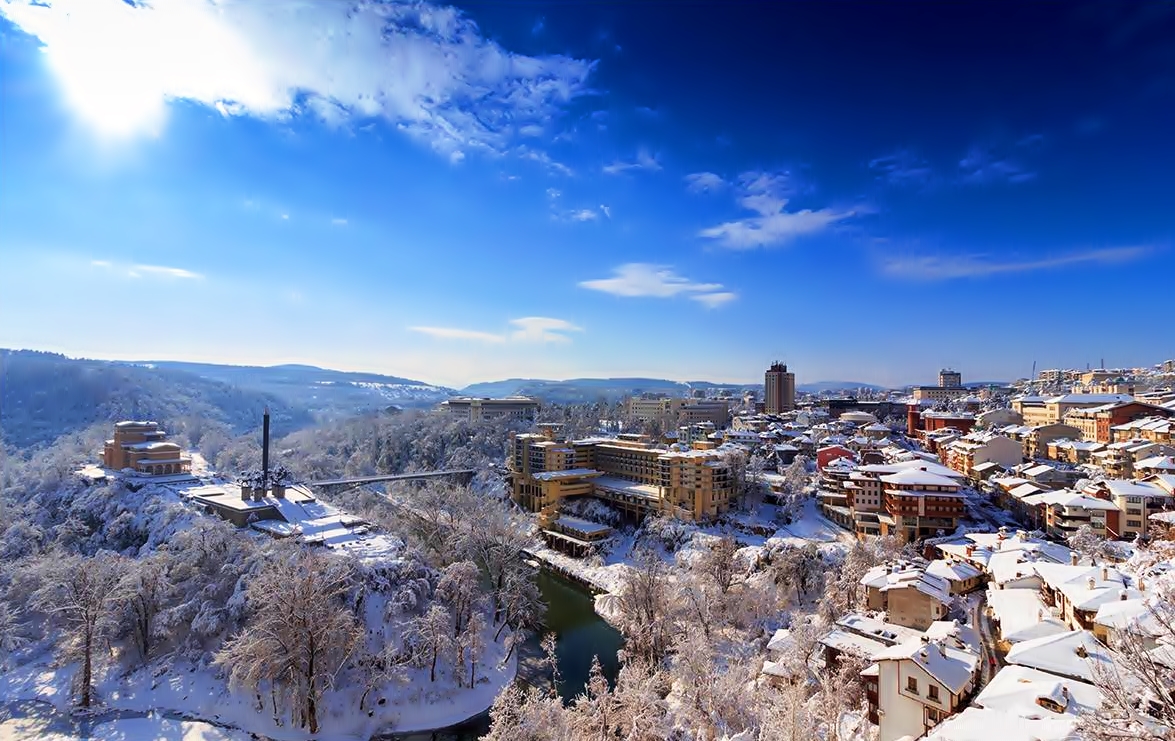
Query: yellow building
point(475, 409)
point(626, 471)
point(143, 447)
point(661, 410)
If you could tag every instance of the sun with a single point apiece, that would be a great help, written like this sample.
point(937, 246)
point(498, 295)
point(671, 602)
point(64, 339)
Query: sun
point(112, 89)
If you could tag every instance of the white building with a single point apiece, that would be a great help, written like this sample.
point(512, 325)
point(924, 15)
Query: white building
point(921, 682)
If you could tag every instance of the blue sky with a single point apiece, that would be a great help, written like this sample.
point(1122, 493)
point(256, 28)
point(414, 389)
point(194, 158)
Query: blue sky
point(864, 191)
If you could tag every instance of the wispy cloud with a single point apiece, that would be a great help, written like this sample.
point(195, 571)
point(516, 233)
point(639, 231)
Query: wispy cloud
point(426, 68)
point(607, 211)
point(767, 194)
point(982, 165)
point(902, 167)
point(639, 279)
point(946, 267)
point(584, 214)
point(644, 161)
point(140, 271)
point(544, 159)
point(338, 221)
point(453, 333)
point(531, 329)
point(704, 182)
point(541, 329)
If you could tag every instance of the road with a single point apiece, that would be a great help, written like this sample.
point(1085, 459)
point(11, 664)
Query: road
point(989, 656)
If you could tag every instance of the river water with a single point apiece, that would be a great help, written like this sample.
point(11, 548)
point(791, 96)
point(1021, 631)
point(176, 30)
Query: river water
point(581, 633)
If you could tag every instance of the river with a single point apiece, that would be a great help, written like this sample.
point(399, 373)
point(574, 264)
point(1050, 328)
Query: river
point(581, 633)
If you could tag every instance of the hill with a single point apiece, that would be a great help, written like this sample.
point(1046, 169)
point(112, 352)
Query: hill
point(322, 392)
point(819, 387)
point(45, 395)
point(578, 390)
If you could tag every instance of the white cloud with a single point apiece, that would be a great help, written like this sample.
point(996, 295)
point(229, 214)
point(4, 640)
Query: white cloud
point(714, 300)
point(338, 221)
point(607, 211)
point(767, 194)
point(526, 329)
point(545, 160)
point(704, 182)
point(946, 267)
point(138, 271)
point(644, 161)
point(166, 272)
point(584, 214)
point(542, 329)
point(642, 279)
point(425, 68)
point(452, 333)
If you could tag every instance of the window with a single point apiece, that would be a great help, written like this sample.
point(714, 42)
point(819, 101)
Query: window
point(912, 685)
point(932, 693)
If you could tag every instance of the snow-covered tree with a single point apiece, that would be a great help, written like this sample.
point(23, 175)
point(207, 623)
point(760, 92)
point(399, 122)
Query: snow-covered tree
point(82, 595)
point(429, 637)
point(146, 589)
point(459, 588)
point(644, 610)
point(300, 632)
point(471, 645)
point(719, 564)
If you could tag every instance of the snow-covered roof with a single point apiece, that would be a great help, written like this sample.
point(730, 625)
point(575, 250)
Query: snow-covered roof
point(953, 667)
point(888, 633)
point(917, 477)
point(853, 644)
point(568, 474)
point(1016, 690)
point(1023, 615)
point(1090, 399)
point(1134, 615)
point(978, 724)
point(918, 463)
point(952, 570)
point(1062, 654)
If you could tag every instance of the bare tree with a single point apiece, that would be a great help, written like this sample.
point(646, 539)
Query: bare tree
point(1138, 686)
point(521, 602)
point(719, 565)
point(82, 595)
point(301, 631)
point(472, 644)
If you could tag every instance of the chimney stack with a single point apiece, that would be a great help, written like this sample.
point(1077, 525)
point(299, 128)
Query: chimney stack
point(265, 449)
point(1073, 558)
point(1105, 573)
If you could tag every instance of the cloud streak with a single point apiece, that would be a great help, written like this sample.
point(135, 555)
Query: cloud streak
point(949, 267)
point(425, 68)
point(150, 271)
point(644, 161)
point(531, 329)
point(704, 182)
point(637, 280)
point(767, 194)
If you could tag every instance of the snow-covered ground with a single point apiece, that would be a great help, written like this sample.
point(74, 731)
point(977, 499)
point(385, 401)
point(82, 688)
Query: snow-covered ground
point(123, 729)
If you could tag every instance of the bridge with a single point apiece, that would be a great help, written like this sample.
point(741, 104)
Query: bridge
point(463, 475)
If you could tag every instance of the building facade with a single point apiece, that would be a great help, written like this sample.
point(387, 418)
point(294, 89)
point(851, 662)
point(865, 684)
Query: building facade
point(478, 409)
point(779, 389)
point(143, 448)
point(628, 472)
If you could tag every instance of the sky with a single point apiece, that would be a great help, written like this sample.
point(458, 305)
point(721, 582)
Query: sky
point(450, 193)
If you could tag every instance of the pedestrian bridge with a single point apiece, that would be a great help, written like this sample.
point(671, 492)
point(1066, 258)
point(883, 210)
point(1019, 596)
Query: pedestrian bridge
point(462, 475)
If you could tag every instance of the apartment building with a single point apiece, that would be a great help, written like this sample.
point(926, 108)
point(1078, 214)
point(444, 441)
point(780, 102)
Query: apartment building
point(1096, 423)
point(779, 389)
point(1042, 410)
point(1156, 429)
point(655, 408)
point(628, 472)
point(977, 448)
point(477, 409)
point(1133, 505)
point(920, 504)
point(715, 411)
point(143, 448)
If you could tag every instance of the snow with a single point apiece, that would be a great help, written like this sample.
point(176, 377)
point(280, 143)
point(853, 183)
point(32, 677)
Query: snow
point(977, 724)
point(123, 729)
point(954, 667)
point(1015, 690)
point(1058, 654)
point(1023, 615)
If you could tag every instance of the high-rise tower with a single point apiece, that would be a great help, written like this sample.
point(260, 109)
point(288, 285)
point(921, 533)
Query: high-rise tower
point(779, 389)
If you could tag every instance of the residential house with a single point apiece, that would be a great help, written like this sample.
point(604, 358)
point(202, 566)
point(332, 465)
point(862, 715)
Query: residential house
point(920, 683)
point(909, 596)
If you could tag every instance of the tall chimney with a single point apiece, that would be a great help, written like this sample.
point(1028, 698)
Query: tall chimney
point(265, 450)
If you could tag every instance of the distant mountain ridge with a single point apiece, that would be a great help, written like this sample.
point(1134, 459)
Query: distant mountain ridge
point(613, 389)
